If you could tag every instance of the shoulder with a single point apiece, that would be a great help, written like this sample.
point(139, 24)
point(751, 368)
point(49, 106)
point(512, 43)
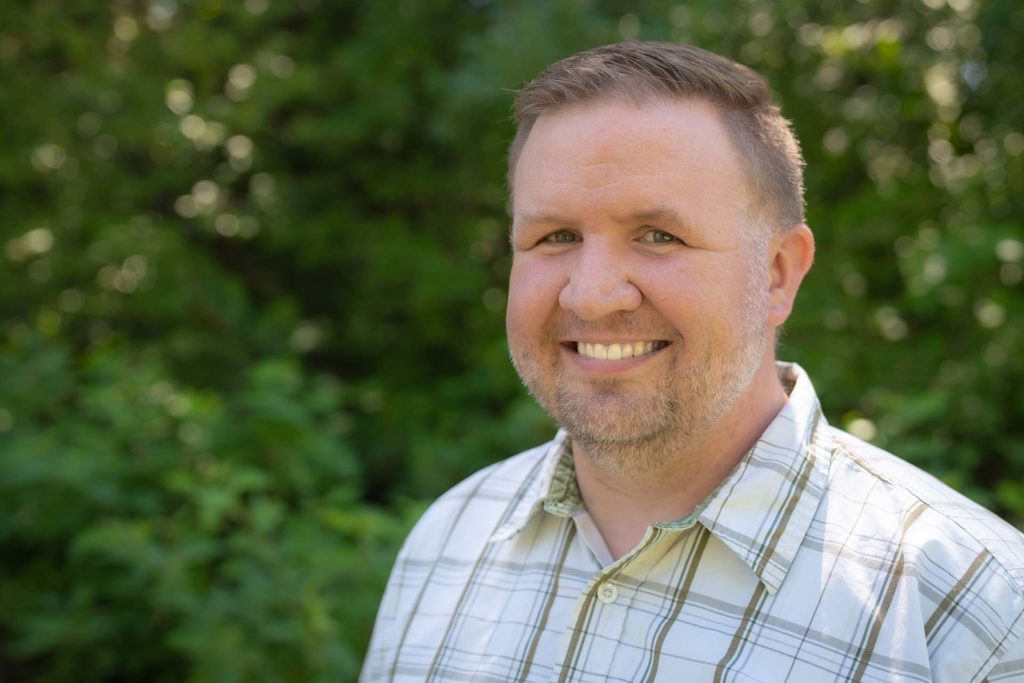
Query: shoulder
point(931, 508)
point(445, 544)
point(955, 566)
point(501, 480)
point(462, 519)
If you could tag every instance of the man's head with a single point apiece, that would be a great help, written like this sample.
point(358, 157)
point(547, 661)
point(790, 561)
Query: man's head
point(638, 72)
point(645, 286)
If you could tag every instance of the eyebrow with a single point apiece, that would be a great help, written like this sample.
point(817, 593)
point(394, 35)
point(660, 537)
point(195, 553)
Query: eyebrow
point(657, 214)
point(660, 214)
point(541, 217)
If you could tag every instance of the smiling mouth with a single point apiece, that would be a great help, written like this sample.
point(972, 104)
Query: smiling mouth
point(618, 351)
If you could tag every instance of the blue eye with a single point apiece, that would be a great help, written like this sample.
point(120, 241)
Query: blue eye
point(561, 237)
point(659, 237)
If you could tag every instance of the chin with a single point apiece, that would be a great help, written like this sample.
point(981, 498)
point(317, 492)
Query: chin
point(614, 418)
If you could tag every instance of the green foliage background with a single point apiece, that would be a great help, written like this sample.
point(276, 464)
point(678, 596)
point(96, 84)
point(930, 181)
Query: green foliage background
point(252, 290)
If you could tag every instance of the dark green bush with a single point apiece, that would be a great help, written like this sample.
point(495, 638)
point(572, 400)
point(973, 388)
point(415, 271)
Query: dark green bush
point(153, 530)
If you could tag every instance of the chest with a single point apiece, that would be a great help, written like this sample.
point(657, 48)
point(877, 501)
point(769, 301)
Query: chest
point(683, 607)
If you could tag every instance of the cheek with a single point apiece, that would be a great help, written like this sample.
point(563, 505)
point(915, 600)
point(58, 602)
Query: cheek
point(677, 286)
point(694, 296)
point(533, 291)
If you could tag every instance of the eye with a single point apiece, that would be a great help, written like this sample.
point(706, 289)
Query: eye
point(659, 237)
point(561, 237)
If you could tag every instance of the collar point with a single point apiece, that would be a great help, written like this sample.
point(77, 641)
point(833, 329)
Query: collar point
point(772, 577)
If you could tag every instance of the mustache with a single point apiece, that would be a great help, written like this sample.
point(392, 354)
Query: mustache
point(624, 325)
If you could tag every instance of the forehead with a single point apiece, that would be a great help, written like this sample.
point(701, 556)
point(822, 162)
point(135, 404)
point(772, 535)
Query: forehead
point(627, 156)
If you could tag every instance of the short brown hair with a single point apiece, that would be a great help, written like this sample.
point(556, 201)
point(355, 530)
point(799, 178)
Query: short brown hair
point(637, 71)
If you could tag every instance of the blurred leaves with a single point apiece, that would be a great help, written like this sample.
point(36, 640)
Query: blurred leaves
point(253, 279)
point(203, 522)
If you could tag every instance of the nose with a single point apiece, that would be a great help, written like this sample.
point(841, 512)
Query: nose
point(599, 284)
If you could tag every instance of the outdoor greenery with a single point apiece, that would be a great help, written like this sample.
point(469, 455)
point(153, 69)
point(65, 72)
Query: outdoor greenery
point(253, 278)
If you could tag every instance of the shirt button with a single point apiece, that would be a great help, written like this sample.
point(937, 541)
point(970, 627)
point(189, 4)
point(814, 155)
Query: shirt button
point(607, 593)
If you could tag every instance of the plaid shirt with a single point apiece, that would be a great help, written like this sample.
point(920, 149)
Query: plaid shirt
point(819, 558)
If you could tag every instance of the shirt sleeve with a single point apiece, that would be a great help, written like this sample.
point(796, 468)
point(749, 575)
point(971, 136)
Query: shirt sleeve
point(1011, 666)
point(379, 655)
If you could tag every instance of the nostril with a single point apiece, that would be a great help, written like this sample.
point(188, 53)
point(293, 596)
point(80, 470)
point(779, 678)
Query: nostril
point(592, 299)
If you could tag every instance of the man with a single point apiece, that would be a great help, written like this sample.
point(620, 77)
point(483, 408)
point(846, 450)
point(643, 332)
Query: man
point(695, 519)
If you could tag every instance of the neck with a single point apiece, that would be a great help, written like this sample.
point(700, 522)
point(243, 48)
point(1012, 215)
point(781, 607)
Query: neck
point(669, 477)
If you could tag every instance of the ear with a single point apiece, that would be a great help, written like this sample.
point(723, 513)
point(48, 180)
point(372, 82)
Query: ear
point(791, 255)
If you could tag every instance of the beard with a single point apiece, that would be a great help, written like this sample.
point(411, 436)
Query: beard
point(630, 428)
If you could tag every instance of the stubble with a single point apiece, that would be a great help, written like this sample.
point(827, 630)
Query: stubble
point(642, 430)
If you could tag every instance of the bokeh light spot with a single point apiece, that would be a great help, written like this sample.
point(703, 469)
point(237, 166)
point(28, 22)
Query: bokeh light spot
point(126, 29)
point(1010, 250)
point(989, 313)
point(862, 428)
point(178, 96)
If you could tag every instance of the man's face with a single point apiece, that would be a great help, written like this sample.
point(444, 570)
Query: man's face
point(637, 299)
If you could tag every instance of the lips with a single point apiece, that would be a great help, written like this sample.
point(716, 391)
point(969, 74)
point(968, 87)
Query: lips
point(618, 351)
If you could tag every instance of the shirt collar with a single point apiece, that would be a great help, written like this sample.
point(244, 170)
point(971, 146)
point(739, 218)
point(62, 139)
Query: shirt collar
point(556, 482)
point(763, 508)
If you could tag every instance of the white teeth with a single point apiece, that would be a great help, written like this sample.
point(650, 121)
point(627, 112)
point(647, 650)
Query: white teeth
point(617, 351)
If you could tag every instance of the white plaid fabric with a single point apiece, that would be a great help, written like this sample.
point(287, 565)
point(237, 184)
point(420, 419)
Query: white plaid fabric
point(819, 558)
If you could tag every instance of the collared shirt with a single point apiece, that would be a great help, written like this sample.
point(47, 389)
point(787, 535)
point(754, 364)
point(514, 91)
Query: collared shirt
point(818, 558)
